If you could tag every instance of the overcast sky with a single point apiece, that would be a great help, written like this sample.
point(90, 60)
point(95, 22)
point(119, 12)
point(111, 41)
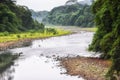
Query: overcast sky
point(40, 5)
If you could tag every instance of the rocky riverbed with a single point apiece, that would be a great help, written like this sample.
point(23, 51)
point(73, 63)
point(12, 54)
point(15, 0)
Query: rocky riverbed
point(89, 68)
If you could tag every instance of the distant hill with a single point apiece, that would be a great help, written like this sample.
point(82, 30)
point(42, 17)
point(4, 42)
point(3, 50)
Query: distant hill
point(84, 2)
point(75, 15)
point(88, 2)
point(39, 16)
point(71, 2)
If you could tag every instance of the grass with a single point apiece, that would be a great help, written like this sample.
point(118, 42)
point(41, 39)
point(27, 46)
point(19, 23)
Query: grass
point(6, 37)
point(6, 59)
point(32, 35)
point(91, 29)
point(94, 29)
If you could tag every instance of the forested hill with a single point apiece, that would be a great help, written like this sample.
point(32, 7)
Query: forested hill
point(39, 16)
point(74, 15)
point(14, 18)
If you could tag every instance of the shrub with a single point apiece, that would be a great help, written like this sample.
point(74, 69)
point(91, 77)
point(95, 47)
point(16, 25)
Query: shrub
point(18, 36)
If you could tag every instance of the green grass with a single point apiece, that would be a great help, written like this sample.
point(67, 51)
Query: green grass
point(89, 29)
point(92, 29)
point(32, 35)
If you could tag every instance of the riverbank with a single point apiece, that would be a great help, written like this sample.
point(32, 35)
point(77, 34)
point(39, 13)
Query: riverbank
point(24, 39)
point(14, 44)
point(88, 68)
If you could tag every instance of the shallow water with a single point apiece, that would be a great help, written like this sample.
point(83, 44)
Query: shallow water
point(38, 61)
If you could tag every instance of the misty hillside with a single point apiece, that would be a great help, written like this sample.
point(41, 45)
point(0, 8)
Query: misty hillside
point(73, 15)
point(84, 2)
point(88, 2)
point(39, 16)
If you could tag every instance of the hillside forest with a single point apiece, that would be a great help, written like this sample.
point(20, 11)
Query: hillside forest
point(15, 18)
point(67, 15)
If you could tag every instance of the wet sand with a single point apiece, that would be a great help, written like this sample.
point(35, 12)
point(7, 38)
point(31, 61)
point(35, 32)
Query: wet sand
point(89, 68)
point(15, 44)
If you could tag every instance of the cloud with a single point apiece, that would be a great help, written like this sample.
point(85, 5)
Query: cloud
point(40, 5)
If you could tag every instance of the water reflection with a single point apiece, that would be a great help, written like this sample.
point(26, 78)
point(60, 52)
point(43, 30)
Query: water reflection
point(7, 75)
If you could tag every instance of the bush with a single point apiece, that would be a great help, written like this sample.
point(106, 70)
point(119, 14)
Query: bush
point(51, 30)
point(4, 34)
point(115, 53)
point(106, 45)
point(18, 36)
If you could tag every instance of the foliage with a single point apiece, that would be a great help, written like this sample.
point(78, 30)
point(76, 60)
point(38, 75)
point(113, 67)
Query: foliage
point(8, 19)
point(74, 15)
point(107, 37)
point(14, 18)
point(51, 30)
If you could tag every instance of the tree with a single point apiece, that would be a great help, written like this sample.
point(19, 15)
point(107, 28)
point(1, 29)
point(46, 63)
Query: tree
point(107, 37)
point(8, 1)
point(15, 18)
point(8, 19)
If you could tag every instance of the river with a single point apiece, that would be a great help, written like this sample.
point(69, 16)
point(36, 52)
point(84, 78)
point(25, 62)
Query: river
point(38, 61)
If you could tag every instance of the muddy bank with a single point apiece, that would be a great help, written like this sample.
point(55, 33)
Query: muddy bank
point(14, 44)
point(89, 68)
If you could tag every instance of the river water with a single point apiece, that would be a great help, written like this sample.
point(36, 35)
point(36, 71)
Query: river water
point(38, 61)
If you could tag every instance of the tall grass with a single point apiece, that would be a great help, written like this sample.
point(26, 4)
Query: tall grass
point(32, 34)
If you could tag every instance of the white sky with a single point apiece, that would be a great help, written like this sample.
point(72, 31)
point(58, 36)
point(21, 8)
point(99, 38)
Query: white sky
point(40, 5)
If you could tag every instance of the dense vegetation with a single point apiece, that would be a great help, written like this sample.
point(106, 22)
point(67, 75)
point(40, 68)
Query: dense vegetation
point(107, 37)
point(14, 18)
point(74, 15)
